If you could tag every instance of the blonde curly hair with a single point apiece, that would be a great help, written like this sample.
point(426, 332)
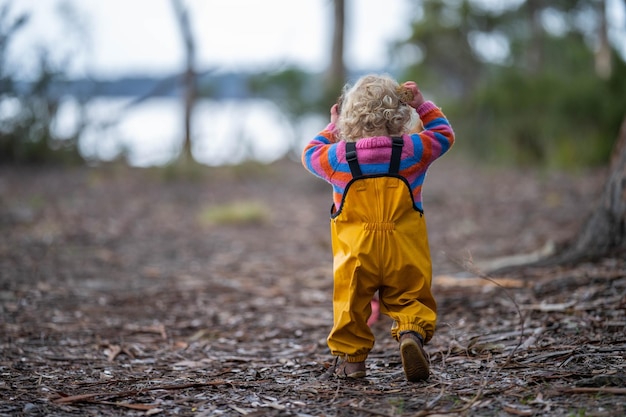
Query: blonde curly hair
point(372, 107)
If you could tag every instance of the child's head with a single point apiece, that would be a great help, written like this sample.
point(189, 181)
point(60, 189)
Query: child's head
point(372, 107)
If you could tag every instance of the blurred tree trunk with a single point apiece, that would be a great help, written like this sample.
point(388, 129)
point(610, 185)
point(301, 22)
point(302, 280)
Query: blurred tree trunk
point(604, 232)
point(535, 51)
point(603, 59)
point(189, 75)
point(337, 72)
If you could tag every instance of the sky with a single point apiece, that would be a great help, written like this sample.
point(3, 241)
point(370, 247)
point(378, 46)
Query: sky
point(111, 38)
point(108, 39)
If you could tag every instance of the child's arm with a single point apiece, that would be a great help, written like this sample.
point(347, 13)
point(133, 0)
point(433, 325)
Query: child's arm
point(437, 130)
point(316, 155)
point(437, 135)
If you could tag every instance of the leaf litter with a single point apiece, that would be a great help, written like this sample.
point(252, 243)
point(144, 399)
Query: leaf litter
point(116, 298)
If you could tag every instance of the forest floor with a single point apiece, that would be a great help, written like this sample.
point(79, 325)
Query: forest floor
point(127, 291)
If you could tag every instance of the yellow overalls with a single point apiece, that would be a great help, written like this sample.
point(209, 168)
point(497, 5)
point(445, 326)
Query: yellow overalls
point(380, 243)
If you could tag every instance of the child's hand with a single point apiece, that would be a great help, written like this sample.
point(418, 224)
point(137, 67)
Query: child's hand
point(334, 113)
point(418, 98)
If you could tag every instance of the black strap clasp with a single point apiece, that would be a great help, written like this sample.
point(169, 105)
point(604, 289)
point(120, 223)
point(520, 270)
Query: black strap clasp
point(352, 159)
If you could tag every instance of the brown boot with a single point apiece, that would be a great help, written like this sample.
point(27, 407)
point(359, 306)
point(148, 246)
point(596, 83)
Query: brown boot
point(345, 369)
point(414, 359)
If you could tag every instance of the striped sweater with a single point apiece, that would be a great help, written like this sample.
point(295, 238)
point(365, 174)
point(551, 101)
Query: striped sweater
point(325, 155)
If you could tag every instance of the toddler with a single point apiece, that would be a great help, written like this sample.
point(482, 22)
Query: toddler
point(379, 239)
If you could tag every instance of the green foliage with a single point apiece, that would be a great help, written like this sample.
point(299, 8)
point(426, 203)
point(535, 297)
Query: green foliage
point(440, 35)
point(289, 88)
point(555, 118)
point(30, 108)
point(296, 93)
point(541, 105)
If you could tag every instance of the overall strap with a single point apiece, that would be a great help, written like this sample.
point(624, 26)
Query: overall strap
point(355, 169)
point(394, 164)
point(396, 153)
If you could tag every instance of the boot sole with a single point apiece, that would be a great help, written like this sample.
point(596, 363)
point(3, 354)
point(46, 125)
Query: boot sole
point(414, 361)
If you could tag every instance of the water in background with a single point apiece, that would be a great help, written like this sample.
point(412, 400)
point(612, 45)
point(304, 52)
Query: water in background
point(151, 132)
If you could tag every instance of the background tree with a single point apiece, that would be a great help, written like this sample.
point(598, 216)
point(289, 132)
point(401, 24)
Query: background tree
point(30, 106)
point(605, 230)
point(336, 75)
point(440, 35)
point(295, 91)
point(603, 55)
point(189, 78)
point(554, 95)
point(519, 79)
